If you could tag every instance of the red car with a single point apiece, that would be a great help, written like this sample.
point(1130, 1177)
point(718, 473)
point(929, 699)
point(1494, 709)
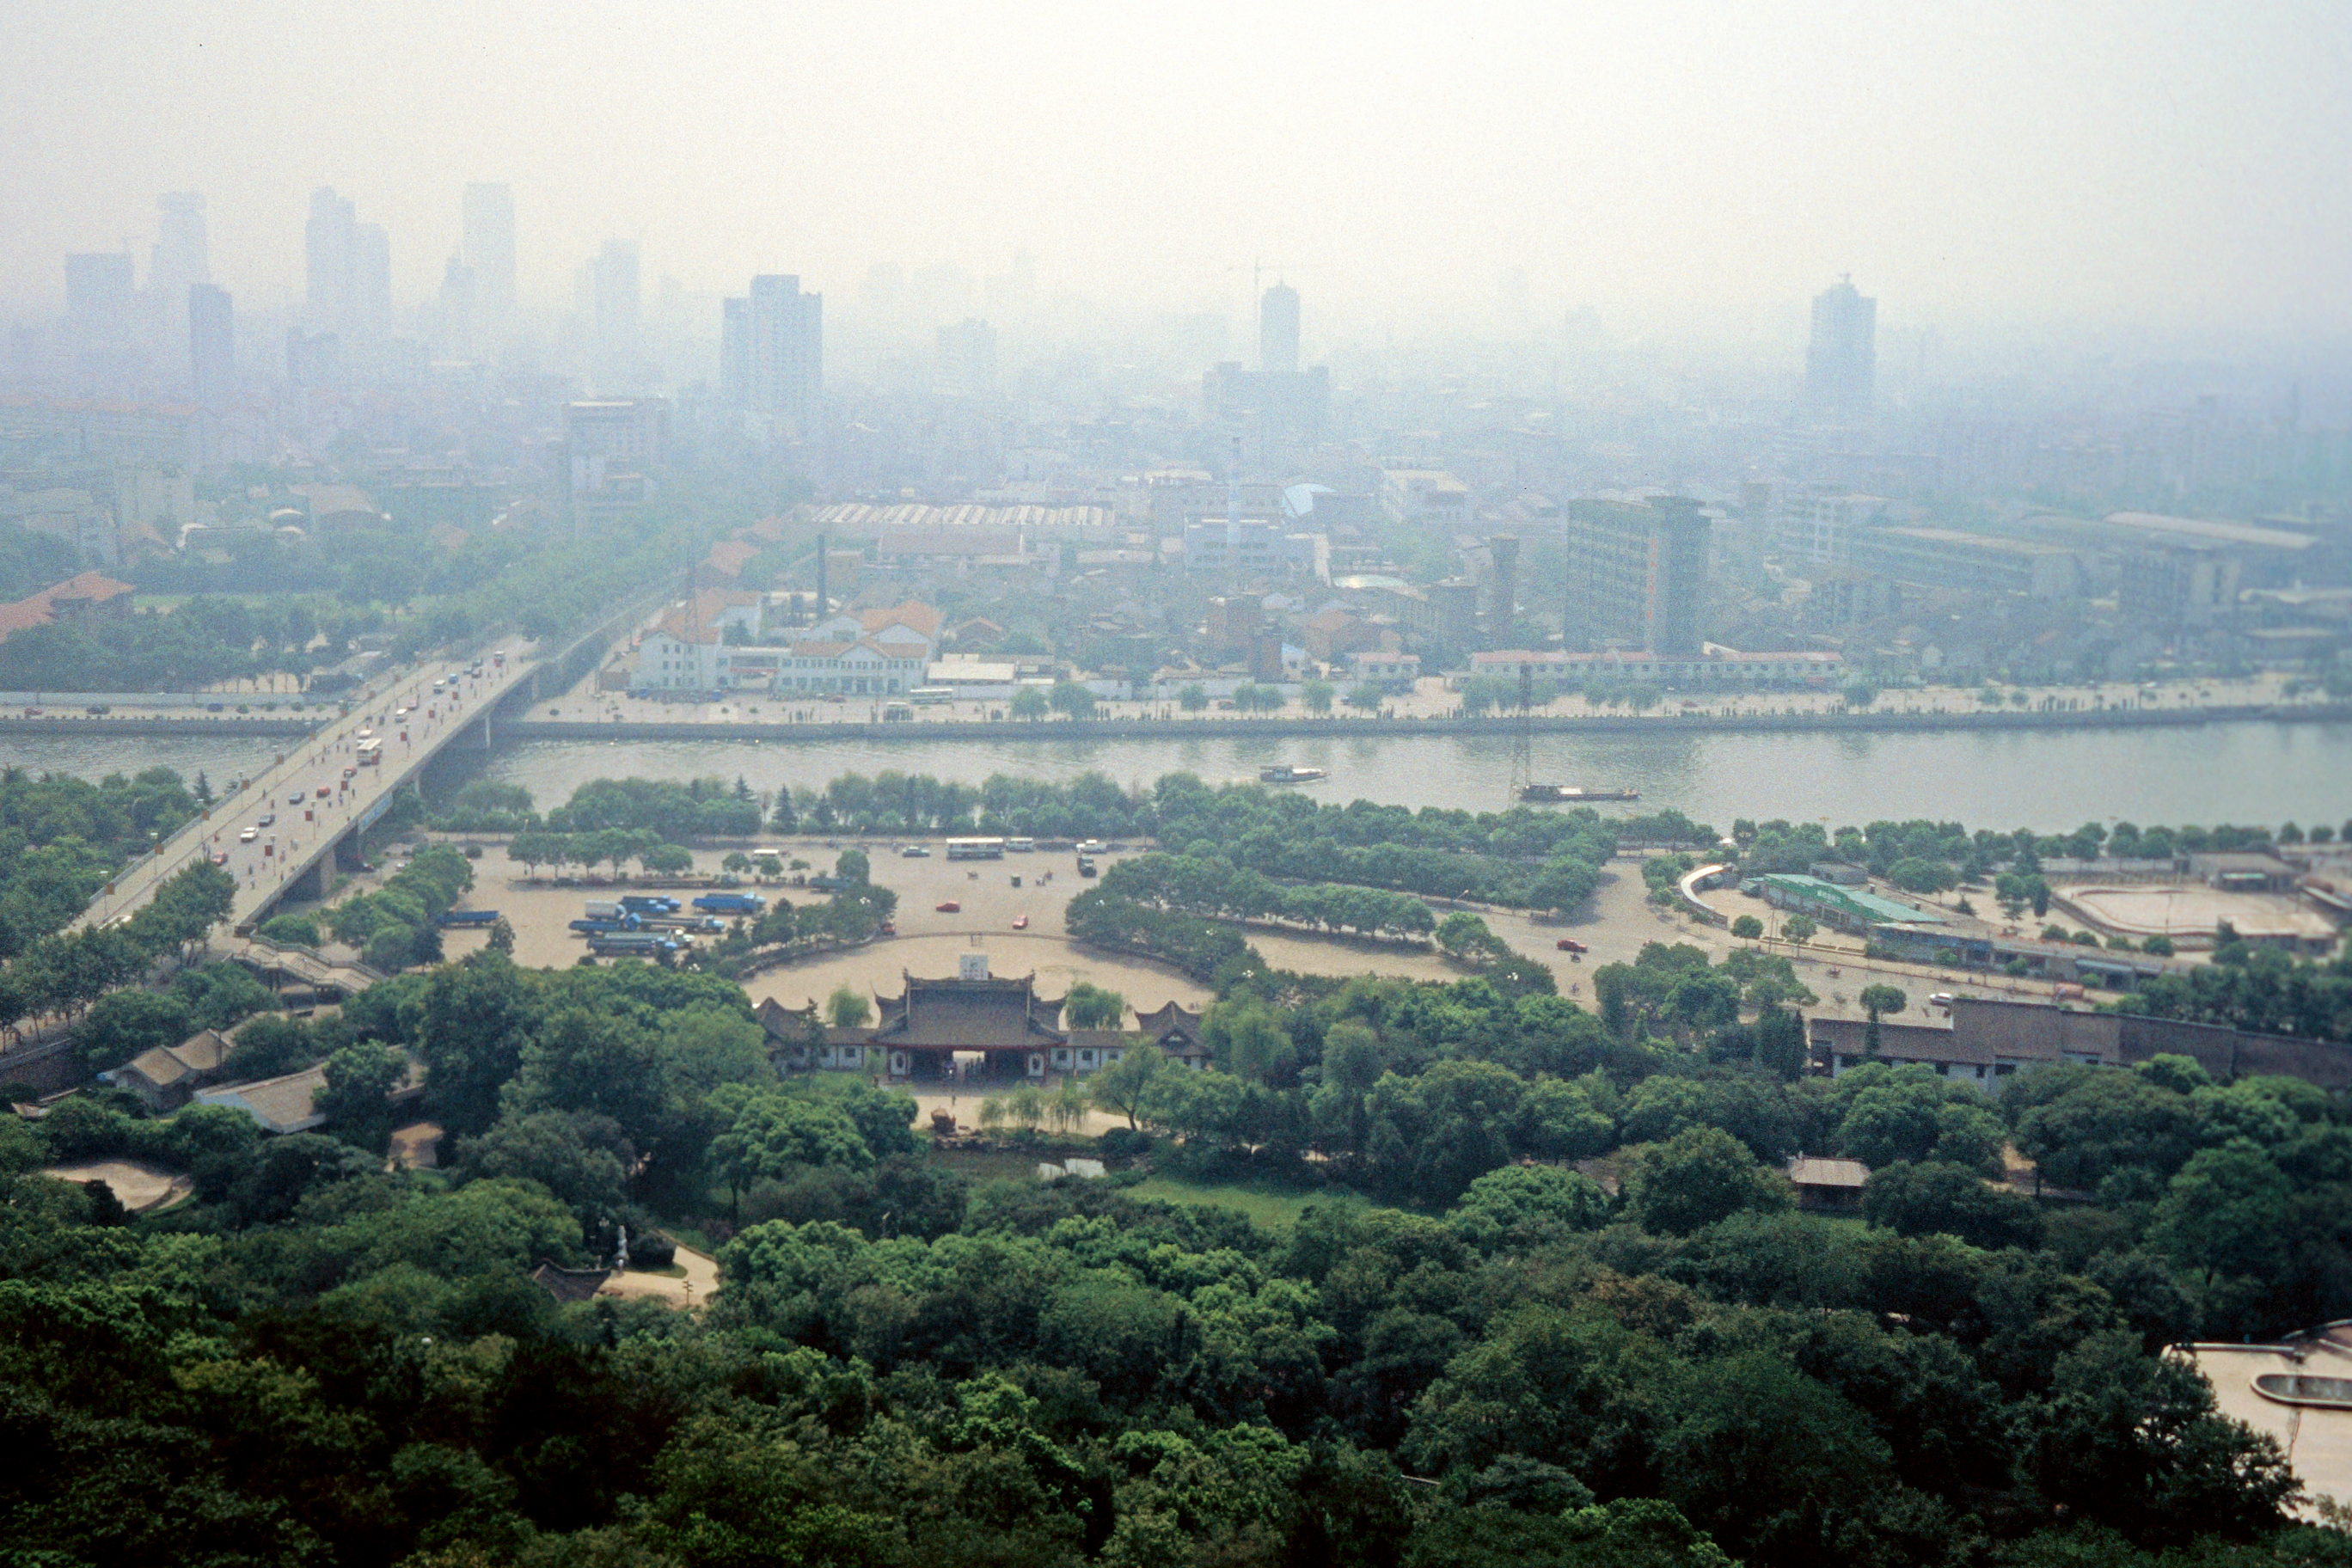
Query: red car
point(1570, 944)
point(950, 908)
point(1020, 922)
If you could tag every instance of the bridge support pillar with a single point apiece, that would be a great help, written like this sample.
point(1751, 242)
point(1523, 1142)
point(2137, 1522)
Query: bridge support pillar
point(347, 853)
point(312, 884)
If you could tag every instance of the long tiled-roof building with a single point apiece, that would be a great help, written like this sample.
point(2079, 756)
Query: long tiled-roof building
point(1013, 1033)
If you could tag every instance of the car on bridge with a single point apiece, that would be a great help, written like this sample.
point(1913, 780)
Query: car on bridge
point(249, 835)
point(267, 819)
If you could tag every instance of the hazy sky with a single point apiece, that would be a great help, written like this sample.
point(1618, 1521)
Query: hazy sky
point(2174, 164)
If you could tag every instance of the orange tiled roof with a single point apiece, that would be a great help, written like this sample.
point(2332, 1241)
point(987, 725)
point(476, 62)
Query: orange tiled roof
point(40, 610)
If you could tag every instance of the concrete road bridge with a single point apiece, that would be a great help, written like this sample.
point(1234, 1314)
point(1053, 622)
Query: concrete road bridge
point(281, 831)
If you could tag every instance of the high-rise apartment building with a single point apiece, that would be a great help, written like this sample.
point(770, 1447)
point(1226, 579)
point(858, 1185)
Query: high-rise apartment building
point(1278, 329)
point(330, 273)
point(183, 255)
point(312, 359)
point(99, 300)
point(1502, 580)
point(212, 345)
point(610, 446)
point(1841, 358)
point(370, 280)
point(489, 248)
point(772, 349)
point(1280, 401)
point(456, 310)
point(347, 270)
point(615, 304)
point(967, 360)
point(1818, 525)
point(1636, 574)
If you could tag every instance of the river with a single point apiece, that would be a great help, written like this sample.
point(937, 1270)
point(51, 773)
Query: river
point(2246, 773)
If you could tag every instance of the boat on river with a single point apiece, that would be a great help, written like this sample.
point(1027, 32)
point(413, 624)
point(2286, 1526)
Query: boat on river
point(1289, 773)
point(1537, 793)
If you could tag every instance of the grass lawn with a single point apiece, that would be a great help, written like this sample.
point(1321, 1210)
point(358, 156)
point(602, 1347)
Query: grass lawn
point(686, 1235)
point(1276, 1208)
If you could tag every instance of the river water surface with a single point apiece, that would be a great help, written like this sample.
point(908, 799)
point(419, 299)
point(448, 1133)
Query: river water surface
point(2247, 772)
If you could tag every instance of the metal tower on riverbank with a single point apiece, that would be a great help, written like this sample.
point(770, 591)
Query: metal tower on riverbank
point(1523, 738)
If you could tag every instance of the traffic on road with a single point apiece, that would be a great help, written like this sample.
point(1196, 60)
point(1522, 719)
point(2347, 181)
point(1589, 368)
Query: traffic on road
point(268, 828)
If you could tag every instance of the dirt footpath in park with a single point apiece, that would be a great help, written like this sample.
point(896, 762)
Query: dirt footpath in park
point(696, 1290)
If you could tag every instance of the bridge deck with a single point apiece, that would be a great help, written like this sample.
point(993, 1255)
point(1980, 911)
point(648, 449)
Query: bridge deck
point(295, 825)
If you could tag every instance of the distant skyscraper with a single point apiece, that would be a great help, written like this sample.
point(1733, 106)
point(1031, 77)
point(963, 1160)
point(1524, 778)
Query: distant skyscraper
point(617, 298)
point(212, 345)
point(99, 300)
point(967, 359)
point(1278, 329)
point(612, 297)
point(312, 359)
point(1841, 360)
point(772, 349)
point(490, 247)
point(183, 255)
point(460, 307)
point(370, 280)
point(329, 272)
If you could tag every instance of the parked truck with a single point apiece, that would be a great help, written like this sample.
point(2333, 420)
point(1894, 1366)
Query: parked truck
point(468, 917)
point(709, 924)
point(633, 944)
point(730, 903)
point(604, 909)
point(594, 925)
point(650, 903)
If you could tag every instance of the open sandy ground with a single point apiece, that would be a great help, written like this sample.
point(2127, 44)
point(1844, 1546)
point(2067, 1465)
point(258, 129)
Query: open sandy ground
point(139, 1185)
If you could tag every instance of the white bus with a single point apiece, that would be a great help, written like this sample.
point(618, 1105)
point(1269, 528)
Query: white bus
point(975, 849)
point(1021, 846)
point(930, 696)
point(371, 751)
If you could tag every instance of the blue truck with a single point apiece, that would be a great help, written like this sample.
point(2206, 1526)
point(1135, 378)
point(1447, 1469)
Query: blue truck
point(594, 925)
point(732, 903)
point(633, 944)
point(650, 904)
point(705, 923)
point(468, 917)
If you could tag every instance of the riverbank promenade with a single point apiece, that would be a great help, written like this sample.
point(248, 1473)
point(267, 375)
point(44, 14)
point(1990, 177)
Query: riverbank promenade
point(756, 722)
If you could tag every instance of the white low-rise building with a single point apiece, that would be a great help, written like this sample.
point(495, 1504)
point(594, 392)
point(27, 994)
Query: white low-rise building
point(1383, 666)
point(715, 642)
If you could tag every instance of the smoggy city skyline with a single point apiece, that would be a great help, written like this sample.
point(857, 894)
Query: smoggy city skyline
point(2154, 167)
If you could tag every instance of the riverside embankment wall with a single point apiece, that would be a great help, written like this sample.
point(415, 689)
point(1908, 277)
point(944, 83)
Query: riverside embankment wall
point(1346, 725)
point(922, 732)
